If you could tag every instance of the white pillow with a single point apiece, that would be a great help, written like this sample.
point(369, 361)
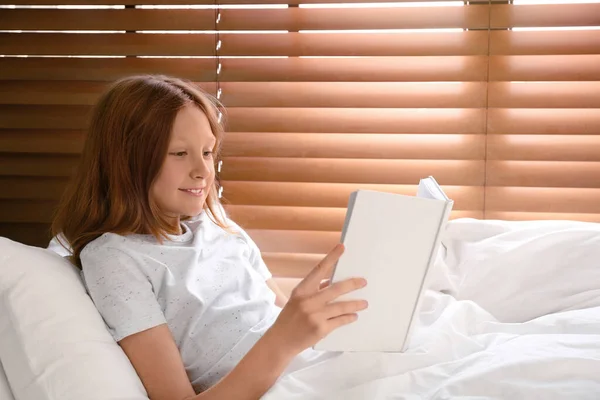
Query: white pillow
point(53, 342)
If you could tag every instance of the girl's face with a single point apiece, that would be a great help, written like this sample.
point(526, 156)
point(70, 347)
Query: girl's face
point(188, 172)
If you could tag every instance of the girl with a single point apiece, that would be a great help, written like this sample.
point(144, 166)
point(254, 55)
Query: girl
point(182, 289)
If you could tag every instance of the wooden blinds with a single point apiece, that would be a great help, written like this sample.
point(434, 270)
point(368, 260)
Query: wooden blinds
point(322, 99)
point(374, 97)
point(543, 142)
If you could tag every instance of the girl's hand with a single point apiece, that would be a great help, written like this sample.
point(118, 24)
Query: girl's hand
point(311, 312)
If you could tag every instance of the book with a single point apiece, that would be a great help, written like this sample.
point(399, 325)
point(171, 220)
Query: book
point(392, 241)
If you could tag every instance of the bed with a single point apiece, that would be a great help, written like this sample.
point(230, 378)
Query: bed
point(5, 392)
point(512, 312)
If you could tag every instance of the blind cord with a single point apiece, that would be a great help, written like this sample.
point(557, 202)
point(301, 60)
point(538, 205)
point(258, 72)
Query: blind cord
point(219, 90)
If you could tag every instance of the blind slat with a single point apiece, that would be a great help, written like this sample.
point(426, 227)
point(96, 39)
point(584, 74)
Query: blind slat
point(538, 15)
point(273, 94)
point(116, 19)
point(277, 44)
point(206, 2)
point(557, 174)
point(36, 234)
point(314, 194)
point(100, 69)
point(296, 19)
point(542, 43)
point(576, 67)
point(334, 120)
point(19, 211)
point(303, 218)
point(544, 94)
point(529, 216)
point(288, 218)
point(41, 141)
point(355, 94)
point(543, 200)
point(544, 121)
point(60, 92)
point(297, 242)
point(356, 44)
point(102, 44)
point(27, 188)
point(44, 117)
point(251, 217)
point(402, 69)
point(544, 148)
point(292, 19)
point(19, 165)
point(356, 120)
point(355, 146)
point(384, 146)
point(290, 264)
point(463, 172)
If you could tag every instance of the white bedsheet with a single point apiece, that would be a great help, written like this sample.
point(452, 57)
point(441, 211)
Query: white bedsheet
point(513, 313)
point(5, 392)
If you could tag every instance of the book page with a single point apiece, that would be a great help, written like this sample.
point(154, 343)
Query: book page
point(430, 189)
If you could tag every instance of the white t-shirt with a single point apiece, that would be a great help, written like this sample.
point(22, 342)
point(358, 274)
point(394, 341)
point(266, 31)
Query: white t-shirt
point(208, 286)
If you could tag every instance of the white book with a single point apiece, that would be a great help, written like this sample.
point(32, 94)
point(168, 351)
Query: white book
point(391, 240)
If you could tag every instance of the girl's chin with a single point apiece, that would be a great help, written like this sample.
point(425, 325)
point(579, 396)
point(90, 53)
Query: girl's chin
point(189, 206)
point(192, 211)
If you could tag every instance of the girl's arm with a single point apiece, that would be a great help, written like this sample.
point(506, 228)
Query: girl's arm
point(157, 362)
point(309, 315)
point(255, 373)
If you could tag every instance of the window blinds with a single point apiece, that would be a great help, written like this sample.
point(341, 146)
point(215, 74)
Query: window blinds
point(543, 142)
point(499, 101)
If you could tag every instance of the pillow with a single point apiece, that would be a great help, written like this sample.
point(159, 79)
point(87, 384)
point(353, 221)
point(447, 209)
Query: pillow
point(53, 342)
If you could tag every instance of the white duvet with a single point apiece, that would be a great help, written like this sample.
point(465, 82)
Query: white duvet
point(513, 312)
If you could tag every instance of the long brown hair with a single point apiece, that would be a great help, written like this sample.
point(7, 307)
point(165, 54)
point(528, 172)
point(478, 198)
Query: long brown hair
point(126, 145)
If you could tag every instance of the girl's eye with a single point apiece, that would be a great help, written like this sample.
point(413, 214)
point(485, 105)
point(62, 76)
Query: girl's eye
point(180, 153)
point(208, 153)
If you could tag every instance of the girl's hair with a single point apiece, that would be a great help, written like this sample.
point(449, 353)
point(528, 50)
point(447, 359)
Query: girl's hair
point(126, 145)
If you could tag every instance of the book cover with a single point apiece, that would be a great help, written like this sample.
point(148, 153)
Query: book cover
point(391, 240)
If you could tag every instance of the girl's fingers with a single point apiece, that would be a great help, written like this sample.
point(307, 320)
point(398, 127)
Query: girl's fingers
point(323, 270)
point(336, 309)
point(324, 283)
point(337, 289)
point(344, 319)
